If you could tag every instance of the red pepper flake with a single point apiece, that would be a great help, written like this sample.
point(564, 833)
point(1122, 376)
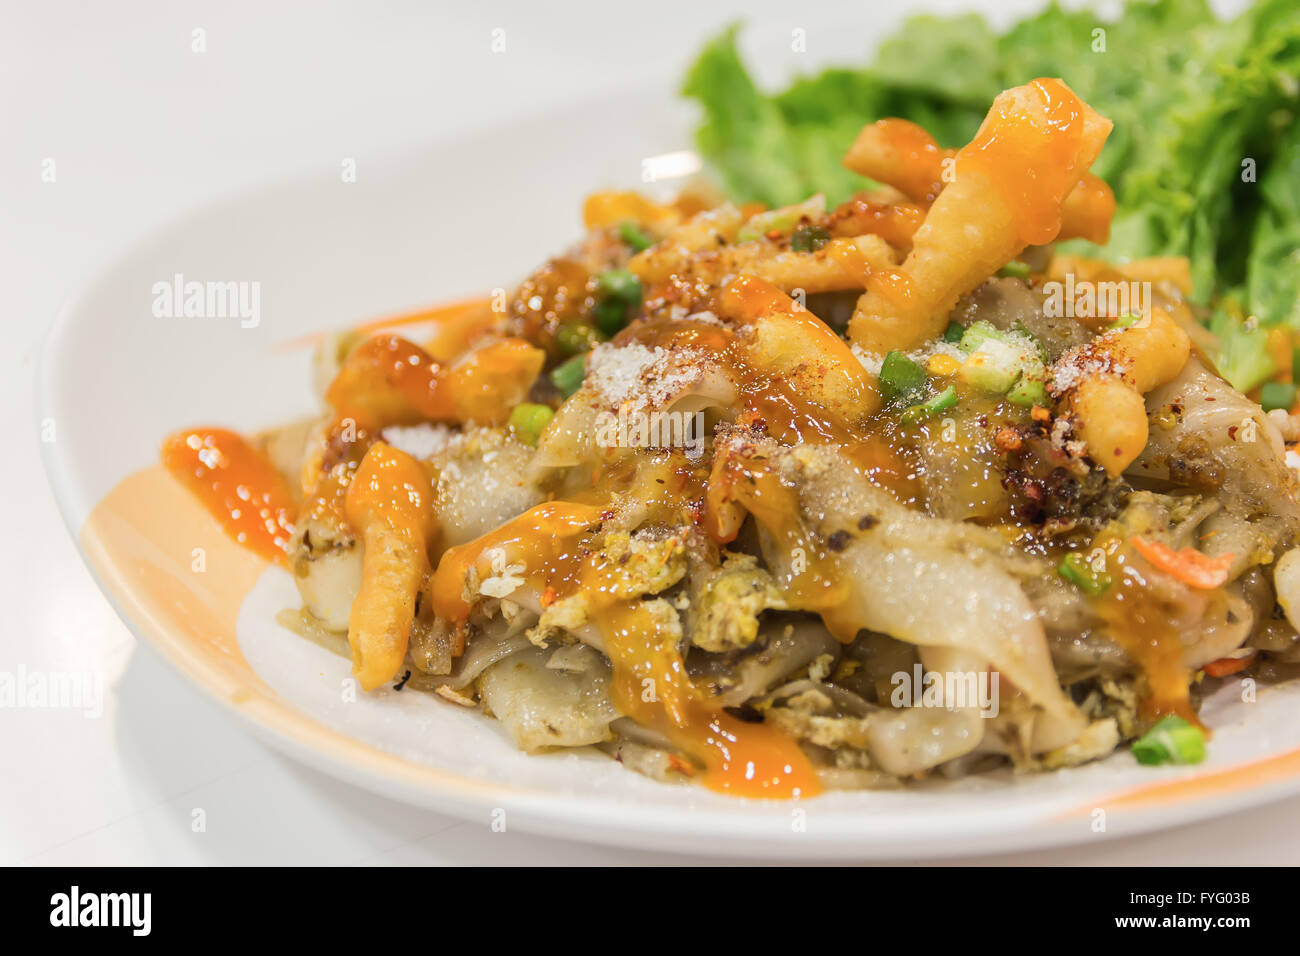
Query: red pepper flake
point(1007, 440)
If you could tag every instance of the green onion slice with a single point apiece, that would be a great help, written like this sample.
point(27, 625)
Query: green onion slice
point(1171, 740)
point(901, 378)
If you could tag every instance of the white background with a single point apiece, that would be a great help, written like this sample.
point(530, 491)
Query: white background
point(141, 128)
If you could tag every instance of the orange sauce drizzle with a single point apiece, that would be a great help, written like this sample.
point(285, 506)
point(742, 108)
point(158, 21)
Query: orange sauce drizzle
point(392, 488)
point(1007, 137)
point(391, 381)
point(1140, 624)
point(650, 680)
point(237, 484)
point(852, 260)
point(776, 506)
point(788, 416)
point(894, 286)
point(919, 169)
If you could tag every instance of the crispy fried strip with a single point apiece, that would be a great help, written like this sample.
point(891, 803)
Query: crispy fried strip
point(792, 343)
point(901, 154)
point(1088, 210)
point(612, 208)
point(1009, 186)
point(390, 504)
point(895, 222)
point(704, 249)
point(705, 231)
point(1113, 373)
point(388, 380)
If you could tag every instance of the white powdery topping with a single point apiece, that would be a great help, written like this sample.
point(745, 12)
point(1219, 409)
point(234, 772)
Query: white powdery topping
point(1082, 362)
point(643, 376)
point(940, 347)
point(420, 441)
point(868, 360)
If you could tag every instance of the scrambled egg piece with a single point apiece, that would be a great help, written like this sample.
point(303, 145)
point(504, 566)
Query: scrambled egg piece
point(728, 601)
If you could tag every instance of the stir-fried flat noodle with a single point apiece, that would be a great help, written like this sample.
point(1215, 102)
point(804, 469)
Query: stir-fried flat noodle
point(785, 499)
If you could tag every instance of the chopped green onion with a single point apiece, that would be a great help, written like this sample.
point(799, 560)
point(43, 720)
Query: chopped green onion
point(568, 376)
point(619, 284)
point(1022, 331)
point(998, 360)
point(809, 238)
point(1076, 569)
point(1015, 269)
point(1124, 322)
point(928, 409)
point(977, 333)
point(528, 421)
point(574, 337)
point(994, 366)
point(1028, 391)
point(1171, 740)
point(617, 291)
point(610, 316)
point(954, 332)
point(901, 378)
point(634, 236)
point(1277, 395)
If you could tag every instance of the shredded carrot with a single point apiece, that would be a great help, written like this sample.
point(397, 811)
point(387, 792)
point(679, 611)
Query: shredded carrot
point(1190, 566)
point(1226, 666)
point(681, 766)
point(468, 315)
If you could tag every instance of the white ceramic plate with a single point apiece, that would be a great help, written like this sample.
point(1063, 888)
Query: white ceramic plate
point(436, 226)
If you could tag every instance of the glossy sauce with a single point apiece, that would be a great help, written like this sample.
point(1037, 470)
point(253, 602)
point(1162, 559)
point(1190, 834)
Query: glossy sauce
point(237, 484)
point(1141, 625)
point(391, 488)
point(650, 683)
point(775, 402)
point(1008, 136)
point(918, 170)
point(388, 380)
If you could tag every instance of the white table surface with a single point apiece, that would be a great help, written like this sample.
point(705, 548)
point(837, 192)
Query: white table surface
point(140, 128)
